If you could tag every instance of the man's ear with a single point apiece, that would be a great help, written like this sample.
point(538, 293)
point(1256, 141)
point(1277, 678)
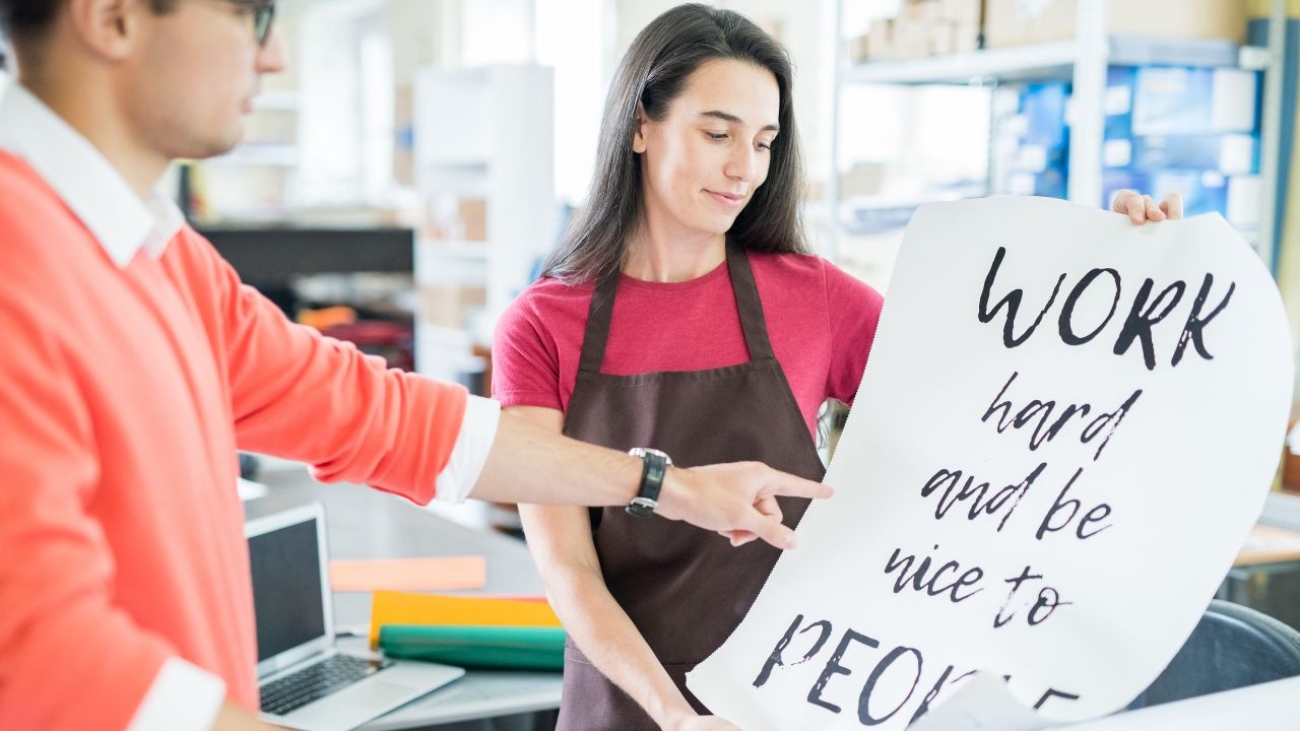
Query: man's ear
point(107, 28)
point(638, 129)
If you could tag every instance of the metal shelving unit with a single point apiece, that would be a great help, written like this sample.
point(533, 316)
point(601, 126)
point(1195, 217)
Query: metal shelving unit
point(482, 134)
point(1084, 62)
point(1027, 63)
point(1271, 132)
point(1041, 62)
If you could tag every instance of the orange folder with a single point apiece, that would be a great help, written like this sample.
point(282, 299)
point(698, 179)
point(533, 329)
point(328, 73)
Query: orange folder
point(399, 607)
point(443, 573)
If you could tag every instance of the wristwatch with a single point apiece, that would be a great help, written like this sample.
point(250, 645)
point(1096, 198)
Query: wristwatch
point(654, 467)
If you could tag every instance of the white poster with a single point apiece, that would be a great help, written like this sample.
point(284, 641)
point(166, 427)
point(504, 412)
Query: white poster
point(1066, 429)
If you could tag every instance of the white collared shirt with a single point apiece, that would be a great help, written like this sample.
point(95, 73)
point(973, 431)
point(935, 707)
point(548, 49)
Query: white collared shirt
point(183, 696)
point(94, 190)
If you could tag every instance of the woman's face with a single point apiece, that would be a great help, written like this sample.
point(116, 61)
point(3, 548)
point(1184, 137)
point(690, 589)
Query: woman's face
point(703, 161)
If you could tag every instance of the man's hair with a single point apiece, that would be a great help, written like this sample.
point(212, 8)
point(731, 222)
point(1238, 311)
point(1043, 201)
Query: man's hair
point(26, 20)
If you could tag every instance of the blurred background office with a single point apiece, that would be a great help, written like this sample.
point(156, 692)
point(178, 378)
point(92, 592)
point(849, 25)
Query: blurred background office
point(399, 184)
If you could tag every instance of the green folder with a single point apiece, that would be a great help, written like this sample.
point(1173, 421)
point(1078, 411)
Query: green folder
point(533, 648)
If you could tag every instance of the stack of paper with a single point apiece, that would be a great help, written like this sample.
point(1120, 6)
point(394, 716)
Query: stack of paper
point(439, 573)
point(468, 631)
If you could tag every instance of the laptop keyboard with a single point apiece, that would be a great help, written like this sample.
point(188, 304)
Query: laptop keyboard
point(316, 681)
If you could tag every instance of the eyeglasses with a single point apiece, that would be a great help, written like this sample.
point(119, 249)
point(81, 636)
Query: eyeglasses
point(263, 12)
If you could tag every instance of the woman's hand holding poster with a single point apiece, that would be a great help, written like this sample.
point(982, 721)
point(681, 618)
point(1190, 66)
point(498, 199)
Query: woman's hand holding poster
point(1066, 429)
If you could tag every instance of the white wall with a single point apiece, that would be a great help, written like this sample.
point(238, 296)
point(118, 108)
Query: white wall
point(498, 32)
point(572, 38)
point(423, 33)
point(329, 159)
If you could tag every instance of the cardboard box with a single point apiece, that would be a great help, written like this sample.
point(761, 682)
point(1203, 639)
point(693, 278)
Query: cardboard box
point(1202, 192)
point(947, 37)
point(1035, 152)
point(966, 37)
point(1171, 100)
point(1043, 106)
point(860, 48)
point(879, 41)
point(473, 216)
point(911, 40)
point(404, 135)
point(1113, 181)
point(1231, 154)
point(1020, 22)
point(1051, 183)
point(1245, 201)
point(920, 12)
point(1118, 102)
point(942, 40)
point(963, 12)
point(1236, 198)
point(449, 304)
point(923, 28)
point(932, 28)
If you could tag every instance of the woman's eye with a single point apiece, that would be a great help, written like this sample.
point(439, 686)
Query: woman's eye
point(763, 145)
point(716, 135)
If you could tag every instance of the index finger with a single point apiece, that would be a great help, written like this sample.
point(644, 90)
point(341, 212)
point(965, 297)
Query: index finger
point(1129, 202)
point(1154, 212)
point(791, 486)
point(738, 538)
point(1173, 206)
point(771, 530)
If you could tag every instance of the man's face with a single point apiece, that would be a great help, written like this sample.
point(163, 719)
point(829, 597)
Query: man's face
point(194, 76)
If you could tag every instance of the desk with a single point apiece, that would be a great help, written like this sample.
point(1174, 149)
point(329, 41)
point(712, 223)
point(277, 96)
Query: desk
point(269, 257)
point(1264, 707)
point(1266, 573)
point(365, 523)
point(1269, 544)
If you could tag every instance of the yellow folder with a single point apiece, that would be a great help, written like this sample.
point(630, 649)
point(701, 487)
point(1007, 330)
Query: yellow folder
point(400, 607)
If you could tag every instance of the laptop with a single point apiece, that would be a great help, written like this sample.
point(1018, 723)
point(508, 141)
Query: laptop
point(305, 681)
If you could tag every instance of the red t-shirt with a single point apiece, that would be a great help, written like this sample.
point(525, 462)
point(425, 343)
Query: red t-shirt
point(821, 322)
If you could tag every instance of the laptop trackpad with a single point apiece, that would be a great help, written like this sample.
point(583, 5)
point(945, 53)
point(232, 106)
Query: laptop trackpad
point(350, 707)
point(376, 694)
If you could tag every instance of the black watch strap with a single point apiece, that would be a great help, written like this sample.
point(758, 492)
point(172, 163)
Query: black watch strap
point(654, 465)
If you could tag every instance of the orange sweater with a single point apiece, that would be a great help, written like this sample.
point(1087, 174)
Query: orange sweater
point(124, 393)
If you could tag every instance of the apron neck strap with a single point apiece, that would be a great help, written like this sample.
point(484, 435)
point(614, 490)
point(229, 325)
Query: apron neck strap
point(599, 315)
point(748, 304)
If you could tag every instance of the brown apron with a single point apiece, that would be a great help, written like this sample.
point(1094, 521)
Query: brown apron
point(685, 588)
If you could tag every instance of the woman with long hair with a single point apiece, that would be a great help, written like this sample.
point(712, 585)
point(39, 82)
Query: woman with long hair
point(683, 312)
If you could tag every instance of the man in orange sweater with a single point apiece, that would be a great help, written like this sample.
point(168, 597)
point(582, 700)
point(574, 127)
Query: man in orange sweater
point(133, 364)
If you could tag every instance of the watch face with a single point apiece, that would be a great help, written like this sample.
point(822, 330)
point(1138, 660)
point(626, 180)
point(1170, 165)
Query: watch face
point(641, 507)
point(667, 460)
point(643, 451)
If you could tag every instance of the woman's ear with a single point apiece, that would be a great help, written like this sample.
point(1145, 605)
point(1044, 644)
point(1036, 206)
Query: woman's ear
point(639, 129)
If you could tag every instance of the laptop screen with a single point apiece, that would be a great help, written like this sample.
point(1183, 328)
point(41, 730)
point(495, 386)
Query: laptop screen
point(287, 591)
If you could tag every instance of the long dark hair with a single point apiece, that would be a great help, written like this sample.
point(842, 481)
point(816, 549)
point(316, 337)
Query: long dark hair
point(653, 73)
